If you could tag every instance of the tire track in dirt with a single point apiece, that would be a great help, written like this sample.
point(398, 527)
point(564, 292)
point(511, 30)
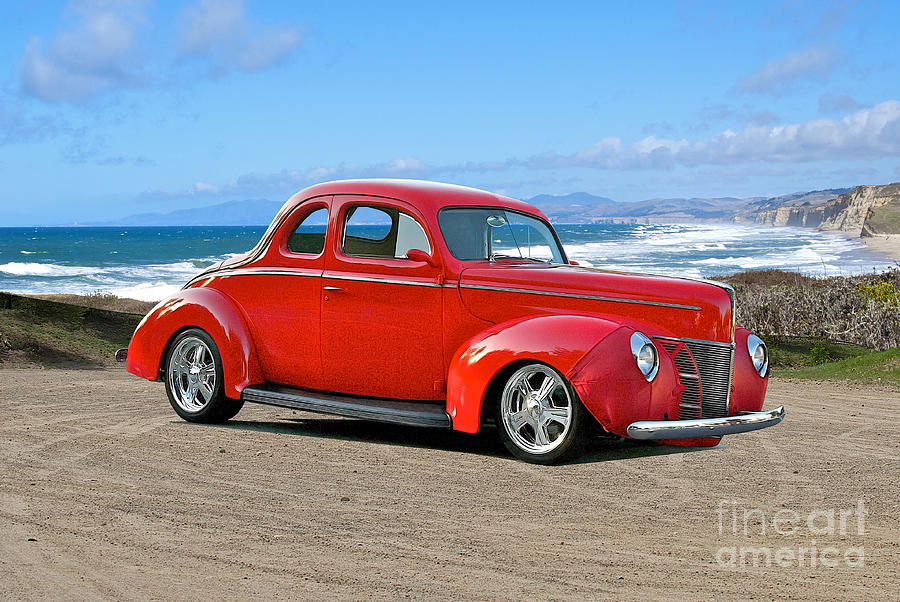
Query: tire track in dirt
point(126, 501)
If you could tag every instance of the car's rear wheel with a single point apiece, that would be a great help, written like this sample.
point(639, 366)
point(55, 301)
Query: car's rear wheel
point(195, 379)
point(539, 417)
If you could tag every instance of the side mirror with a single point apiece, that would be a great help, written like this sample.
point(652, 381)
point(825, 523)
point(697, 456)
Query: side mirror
point(573, 262)
point(420, 255)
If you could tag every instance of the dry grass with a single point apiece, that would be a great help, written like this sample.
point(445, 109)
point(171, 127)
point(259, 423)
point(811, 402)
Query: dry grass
point(863, 310)
point(102, 301)
point(40, 332)
point(767, 278)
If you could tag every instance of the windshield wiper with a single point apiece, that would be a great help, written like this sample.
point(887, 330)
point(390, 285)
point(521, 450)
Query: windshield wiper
point(496, 256)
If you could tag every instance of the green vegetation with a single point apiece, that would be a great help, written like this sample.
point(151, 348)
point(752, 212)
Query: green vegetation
point(818, 353)
point(791, 353)
point(880, 292)
point(882, 367)
point(38, 332)
point(884, 219)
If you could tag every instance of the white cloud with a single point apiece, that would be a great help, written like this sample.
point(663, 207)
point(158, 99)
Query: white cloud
point(98, 52)
point(18, 125)
point(871, 133)
point(219, 32)
point(779, 76)
point(837, 103)
point(286, 182)
point(202, 187)
point(865, 134)
point(101, 47)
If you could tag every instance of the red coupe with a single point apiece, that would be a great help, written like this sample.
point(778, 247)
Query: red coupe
point(442, 306)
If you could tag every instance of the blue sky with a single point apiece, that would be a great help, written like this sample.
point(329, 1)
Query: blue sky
point(112, 108)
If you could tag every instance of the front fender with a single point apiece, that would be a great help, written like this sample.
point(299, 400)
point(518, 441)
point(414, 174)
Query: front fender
point(748, 389)
point(203, 308)
point(560, 341)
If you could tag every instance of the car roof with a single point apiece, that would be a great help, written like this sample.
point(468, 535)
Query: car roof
point(427, 196)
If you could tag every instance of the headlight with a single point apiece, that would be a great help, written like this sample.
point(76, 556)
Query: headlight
point(645, 355)
point(759, 355)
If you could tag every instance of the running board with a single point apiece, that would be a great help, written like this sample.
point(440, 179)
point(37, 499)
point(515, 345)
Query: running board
point(414, 413)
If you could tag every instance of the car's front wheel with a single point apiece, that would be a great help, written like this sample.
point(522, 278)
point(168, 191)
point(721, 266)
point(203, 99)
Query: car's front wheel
point(539, 417)
point(195, 379)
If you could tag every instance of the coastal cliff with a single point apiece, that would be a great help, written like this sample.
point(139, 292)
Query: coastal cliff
point(863, 211)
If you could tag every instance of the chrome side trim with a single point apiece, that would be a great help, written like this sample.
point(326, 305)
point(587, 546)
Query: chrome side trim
point(577, 296)
point(648, 430)
point(227, 273)
point(275, 272)
point(383, 280)
point(705, 342)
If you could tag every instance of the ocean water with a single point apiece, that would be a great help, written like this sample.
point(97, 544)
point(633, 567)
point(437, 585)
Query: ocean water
point(151, 263)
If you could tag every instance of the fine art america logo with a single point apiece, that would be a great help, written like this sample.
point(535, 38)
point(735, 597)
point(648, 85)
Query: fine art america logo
point(808, 540)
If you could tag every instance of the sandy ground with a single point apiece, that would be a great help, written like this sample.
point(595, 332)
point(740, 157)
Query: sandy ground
point(889, 244)
point(104, 493)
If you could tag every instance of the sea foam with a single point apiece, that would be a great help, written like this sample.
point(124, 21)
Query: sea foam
point(16, 268)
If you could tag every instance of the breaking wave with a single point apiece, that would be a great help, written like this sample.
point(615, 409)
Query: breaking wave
point(151, 264)
point(48, 270)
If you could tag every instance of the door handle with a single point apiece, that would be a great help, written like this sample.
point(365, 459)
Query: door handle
point(328, 287)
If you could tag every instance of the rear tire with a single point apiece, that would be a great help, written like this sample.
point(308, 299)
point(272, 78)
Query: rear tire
point(539, 417)
point(195, 379)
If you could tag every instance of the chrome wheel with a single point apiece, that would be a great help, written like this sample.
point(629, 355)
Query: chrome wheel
point(536, 409)
point(192, 374)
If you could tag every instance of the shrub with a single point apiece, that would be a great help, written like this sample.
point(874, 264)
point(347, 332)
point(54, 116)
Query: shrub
point(879, 292)
point(818, 354)
point(862, 310)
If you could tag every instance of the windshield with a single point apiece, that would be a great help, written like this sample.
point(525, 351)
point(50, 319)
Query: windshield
point(474, 233)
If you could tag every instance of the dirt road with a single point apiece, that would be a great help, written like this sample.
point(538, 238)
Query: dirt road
point(105, 493)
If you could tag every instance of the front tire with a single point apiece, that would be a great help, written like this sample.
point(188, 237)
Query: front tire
point(195, 379)
point(539, 417)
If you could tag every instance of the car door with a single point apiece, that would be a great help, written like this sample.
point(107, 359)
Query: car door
point(381, 312)
point(281, 295)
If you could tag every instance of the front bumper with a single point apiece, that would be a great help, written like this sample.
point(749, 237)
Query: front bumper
point(704, 427)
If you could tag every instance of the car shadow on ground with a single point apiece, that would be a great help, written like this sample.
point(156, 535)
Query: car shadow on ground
point(485, 443)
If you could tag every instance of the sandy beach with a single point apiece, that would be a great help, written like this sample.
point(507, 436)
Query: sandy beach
point(889, 244)
point(106, 494)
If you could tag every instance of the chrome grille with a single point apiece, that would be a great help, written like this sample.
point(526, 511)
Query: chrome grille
point(689, 406)
point(704, 368)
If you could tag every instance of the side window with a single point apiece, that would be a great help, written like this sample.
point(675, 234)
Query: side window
point(410, 235)
point(381, 232)
point(309, 235)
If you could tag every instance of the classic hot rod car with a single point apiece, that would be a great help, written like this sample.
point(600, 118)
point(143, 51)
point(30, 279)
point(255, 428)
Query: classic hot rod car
point(443, 306)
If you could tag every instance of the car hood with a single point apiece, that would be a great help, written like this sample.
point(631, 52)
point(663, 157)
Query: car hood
point(664, 305)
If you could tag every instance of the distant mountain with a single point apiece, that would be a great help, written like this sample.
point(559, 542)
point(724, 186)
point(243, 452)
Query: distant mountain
point(568, 207)
point(865, 209)
point(578, 199)
point(258, 212)
point(581, 207)
point(577, 207)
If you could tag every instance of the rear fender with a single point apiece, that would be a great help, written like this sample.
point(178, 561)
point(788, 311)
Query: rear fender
point(203, 308)
point(559, 341)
